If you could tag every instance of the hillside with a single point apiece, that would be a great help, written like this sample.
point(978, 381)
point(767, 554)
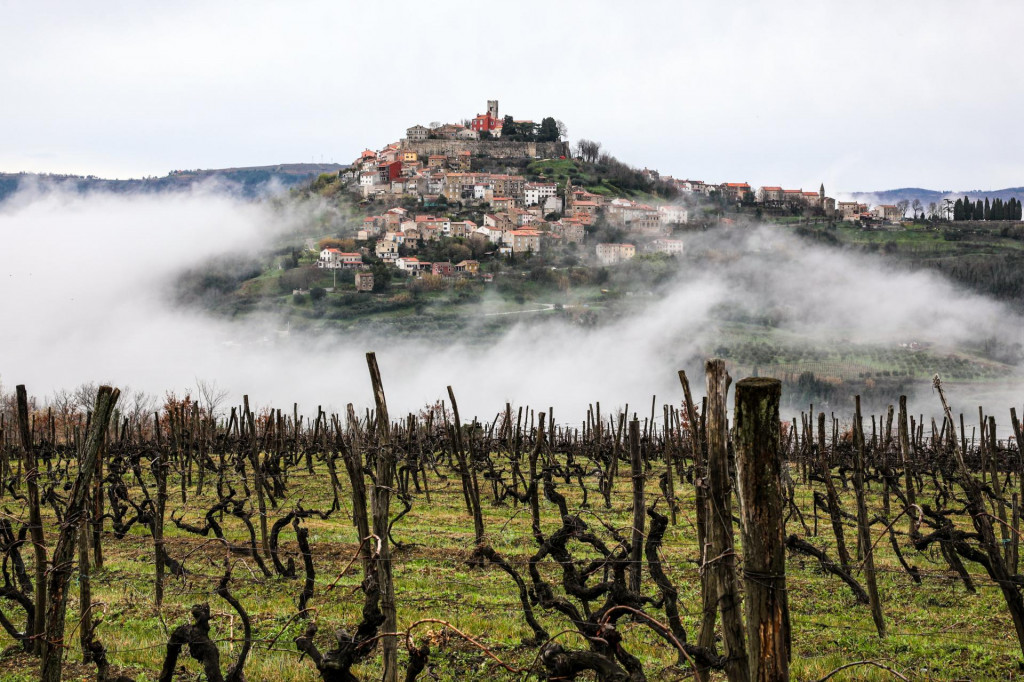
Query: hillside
point(248, 181)
point(926, 196)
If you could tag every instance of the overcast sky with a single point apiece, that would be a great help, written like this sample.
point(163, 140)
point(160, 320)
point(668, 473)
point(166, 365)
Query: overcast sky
point(858, 95)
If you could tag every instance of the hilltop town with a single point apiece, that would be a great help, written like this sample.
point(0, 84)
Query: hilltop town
point(498, 216)
point(514, 188)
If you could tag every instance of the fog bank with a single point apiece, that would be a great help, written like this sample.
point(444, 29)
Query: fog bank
point(86, 283)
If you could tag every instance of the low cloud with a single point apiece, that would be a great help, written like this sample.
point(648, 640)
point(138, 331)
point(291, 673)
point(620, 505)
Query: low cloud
point(87, 297)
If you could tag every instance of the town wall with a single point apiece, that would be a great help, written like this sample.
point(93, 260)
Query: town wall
point(496, 149)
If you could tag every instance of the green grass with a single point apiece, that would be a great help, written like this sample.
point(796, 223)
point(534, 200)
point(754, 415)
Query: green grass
point(936, 630)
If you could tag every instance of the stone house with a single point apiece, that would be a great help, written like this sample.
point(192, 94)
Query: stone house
point(364, 281)
point(610, 254)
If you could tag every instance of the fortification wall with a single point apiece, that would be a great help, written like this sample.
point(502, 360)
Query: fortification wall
point(496, 149)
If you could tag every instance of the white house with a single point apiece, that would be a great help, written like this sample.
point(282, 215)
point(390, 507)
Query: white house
point(673, 214)
point(669, 246)
point(492, 232)
point(387, 250)
point(412, 264)
point(536, 192)
point(336, 258)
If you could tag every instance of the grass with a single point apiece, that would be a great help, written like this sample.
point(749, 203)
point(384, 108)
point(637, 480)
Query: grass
point(936, 630)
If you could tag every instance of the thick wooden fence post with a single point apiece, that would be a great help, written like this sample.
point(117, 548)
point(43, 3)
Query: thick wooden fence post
point(60, 576)
point(381, 504)
point(636, 472)
point(722, 559)
point(759, 474)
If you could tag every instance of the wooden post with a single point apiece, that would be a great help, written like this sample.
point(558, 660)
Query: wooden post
point(84, 591)
point(35, 520)
point(353, 457)
point(903, 435)
point(834, 509)
point(1013, 563)
point(669, 449)
point(863, 524)
point(381, 505)
point(161, 470)
point(759, 477)
point(722, 560)
point(708, 585)
point(470, 486)
point(636, 470)
point(57, 589)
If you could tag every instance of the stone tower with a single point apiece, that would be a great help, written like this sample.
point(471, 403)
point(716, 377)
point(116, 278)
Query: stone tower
point(821, 192)
point(492, 108)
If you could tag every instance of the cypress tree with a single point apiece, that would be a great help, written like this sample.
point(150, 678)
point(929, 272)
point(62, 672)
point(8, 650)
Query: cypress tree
point(979, 209)
point(988, 209)
point(958, 210)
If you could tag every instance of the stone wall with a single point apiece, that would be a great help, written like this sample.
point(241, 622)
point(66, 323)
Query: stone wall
point(496, 149)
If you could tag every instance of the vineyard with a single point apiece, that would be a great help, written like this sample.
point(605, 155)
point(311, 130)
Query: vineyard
point(708, 538)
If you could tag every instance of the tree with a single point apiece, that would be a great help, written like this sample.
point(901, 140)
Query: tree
point(347, 245)
point(903, 205)
point(917, 208)
point(299, 278)
point(588, 150)
point(987, 211)
point(508, 128)
point(548, 130)
point(958, 210)
point(210, 396)
point(381, 277)
point(563, 131)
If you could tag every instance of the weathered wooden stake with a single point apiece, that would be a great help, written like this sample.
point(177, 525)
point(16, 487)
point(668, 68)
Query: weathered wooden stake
point(722, 559)
point(63, 566)
point(636, 471)
point(381, 504)
point(35, 520)
point(759, 477)
point(863, 523)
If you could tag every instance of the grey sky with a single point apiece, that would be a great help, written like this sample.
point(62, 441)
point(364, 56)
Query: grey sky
point(860, 95)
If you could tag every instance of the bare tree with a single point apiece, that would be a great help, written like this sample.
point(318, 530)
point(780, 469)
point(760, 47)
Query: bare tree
point(84, 395)
point(588, 150)
point(211, 396)
point(903, 205)
point(918, 208)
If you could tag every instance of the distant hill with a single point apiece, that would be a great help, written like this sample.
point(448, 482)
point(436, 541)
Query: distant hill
point(926, 196)
point(249, 182)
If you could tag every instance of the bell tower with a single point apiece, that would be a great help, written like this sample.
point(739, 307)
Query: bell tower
point(492, 108)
